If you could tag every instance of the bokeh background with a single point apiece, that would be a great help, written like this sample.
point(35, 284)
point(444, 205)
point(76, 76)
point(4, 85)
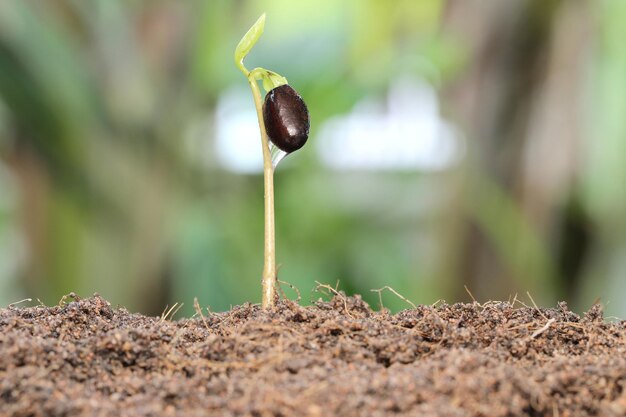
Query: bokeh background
point(454, 144)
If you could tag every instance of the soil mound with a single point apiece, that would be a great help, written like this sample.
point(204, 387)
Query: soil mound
point(337, 358)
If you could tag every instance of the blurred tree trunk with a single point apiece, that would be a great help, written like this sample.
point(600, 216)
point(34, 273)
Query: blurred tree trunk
point(518, 102)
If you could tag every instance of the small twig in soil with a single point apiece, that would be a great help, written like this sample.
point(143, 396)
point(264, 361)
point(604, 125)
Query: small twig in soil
point(196, 306)
point(437, 303)
point(543, 329)
point(171, 312)
point(487, 304)
point(280, 291)
point(176, 311)
point(520, 302)
point(25, 300)
point(380, 298)
point(163, 312)
point(337, 293)
point(293, 287)
point(535, 304)
point(470, 294)
point(66, 296)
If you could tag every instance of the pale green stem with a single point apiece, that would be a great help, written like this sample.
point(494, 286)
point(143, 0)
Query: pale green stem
point(269, 258)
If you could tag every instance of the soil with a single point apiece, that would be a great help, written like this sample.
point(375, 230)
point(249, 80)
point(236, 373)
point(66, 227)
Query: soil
point(336, 358)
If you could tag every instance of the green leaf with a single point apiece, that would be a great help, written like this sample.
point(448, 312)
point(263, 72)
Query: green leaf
point(270, 79)
point(267, 84)
point(274, 80)
point(248, 41)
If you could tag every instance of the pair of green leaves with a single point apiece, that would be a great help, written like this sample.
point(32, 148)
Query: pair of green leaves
point(270, 78)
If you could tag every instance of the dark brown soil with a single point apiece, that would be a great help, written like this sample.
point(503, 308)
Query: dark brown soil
point(337, 358)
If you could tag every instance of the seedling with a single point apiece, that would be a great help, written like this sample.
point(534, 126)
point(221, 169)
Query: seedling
point(284, 125)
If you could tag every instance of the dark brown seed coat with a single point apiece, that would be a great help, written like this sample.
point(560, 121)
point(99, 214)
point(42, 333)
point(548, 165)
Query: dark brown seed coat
point(286, 118)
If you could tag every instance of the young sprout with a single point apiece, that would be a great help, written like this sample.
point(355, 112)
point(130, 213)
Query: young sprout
point(284, 125)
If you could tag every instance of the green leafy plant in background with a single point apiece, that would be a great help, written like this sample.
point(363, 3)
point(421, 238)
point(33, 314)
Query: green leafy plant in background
point(284, 125)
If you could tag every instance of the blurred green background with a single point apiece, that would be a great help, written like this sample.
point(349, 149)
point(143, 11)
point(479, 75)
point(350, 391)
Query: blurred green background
point(453, 143)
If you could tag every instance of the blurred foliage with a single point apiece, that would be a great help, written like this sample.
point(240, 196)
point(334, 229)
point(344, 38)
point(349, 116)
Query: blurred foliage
point(110, 183)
